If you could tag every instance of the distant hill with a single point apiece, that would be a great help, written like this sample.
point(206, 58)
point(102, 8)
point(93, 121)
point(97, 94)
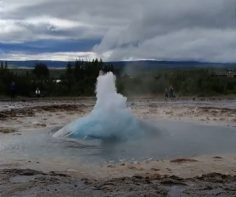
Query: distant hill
point(32, 63)
point(144, 64)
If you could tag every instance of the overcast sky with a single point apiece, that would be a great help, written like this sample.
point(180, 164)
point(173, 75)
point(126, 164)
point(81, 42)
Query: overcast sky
point(202, 30)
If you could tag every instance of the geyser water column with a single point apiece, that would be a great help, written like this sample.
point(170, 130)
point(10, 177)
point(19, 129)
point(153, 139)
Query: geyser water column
point(109, 119)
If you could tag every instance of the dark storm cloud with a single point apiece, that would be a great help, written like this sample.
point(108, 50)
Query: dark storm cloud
point(128, 29)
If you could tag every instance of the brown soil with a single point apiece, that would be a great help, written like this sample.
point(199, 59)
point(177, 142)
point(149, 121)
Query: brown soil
point(30, 111)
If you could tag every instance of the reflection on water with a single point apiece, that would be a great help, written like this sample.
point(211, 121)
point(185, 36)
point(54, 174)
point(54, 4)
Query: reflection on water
point(172, 139)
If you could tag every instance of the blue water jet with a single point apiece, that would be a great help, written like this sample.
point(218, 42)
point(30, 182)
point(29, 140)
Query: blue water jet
point(109, 119)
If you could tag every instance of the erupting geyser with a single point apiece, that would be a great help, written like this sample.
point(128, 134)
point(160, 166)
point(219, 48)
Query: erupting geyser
point(110, 118)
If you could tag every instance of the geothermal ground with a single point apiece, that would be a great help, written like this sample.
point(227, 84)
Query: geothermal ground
point(33, 163)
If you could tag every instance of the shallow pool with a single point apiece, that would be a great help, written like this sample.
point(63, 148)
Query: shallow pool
point(170, 140)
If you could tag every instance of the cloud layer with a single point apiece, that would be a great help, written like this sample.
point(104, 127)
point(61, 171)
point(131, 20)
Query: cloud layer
point(120, 30)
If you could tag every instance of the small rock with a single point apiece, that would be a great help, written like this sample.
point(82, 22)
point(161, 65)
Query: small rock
point(183, 160)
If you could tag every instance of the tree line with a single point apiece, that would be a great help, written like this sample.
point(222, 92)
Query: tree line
point(79, 79)
point(186, 82)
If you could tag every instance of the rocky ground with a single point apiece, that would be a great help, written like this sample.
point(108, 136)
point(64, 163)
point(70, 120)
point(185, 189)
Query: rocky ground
point(200, 176)
point(26, 182)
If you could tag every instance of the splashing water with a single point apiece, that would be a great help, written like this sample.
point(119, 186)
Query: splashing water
point(110, 118)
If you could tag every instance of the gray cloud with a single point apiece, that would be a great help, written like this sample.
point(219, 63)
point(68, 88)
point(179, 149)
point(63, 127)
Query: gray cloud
point(179, 29)
point(130, 29)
